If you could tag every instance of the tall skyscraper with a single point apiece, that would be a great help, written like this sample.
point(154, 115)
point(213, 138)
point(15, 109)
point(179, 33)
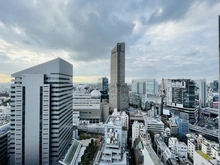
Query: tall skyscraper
point(41, 113)
point(118, 90)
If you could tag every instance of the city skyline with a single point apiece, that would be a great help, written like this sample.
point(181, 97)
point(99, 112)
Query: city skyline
point(35, 32)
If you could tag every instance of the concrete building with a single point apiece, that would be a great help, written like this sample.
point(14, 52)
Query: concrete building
point(5, 114)
point(102, 84)
point(135, 86)
point(215, 86)
point(211, 148)
point(201, 158)
point(118, 89)
point(154, 125)
point(150, 157)
point(191, 146)
point(88, 105)
point(145, 86)
point(168, 158)
point(115, 140)
point(137, 129)
point(177, 148)
point(180, 96)
point(173, 127)
point(183, 126)
point(76, 118)
point(4, 141)
point(41, 113)
point(105, 111)
point(201, 91)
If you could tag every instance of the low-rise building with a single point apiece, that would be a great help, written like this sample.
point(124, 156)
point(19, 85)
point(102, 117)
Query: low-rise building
point(115, 140)
point(154, 125)
point(88, 105)
point(137, 128)
point(211, 148)
point(200, 158)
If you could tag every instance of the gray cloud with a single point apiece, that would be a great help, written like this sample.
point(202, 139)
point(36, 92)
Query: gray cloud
point(86, 31)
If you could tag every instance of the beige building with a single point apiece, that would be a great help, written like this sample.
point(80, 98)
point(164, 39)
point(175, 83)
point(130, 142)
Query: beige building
point(118, 89)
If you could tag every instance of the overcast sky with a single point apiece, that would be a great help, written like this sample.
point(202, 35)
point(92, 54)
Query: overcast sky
point(164, 38)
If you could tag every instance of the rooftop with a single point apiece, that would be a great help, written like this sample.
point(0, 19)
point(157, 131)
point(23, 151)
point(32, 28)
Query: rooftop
point(72, 153)
point(205, 156)
point(153, 155)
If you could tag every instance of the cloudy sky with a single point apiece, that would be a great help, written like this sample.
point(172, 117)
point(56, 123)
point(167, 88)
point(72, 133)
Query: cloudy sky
point(164, 39)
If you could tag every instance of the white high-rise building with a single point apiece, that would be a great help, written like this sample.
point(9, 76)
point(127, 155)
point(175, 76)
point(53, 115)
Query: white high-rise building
point(118, 89)
point(201, 91)
point(41, 113)
point(137, 129)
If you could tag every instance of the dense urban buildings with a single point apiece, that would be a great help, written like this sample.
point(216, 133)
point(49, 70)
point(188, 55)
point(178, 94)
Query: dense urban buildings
point(180, 95)
point(145, 86)
point(118, 89)
point(41, 113)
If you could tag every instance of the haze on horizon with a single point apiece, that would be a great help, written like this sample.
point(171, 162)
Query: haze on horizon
point(164, 39)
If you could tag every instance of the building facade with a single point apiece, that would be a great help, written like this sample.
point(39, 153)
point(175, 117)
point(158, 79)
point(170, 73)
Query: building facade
point(145, 86)
point(4, 140)
point(201, 91)
point(102, 84)
point(41, 113)
point(180, 96)
point(88, 106)
point(118, 90)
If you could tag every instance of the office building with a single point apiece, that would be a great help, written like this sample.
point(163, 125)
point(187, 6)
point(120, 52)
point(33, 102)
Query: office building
point(118, 89)
point(88, 106)
point(4, 140)
point(41, 113)
point(179, 92)
point(154, 125)
point(202, 158)
point(115, 141)
point(200, 91)
point(183, 126)
point(215, 86)
point(179, 149)
point(102, 84)
point(135, 86)
point(137, 129)
point(145, 86)
point(180, 97)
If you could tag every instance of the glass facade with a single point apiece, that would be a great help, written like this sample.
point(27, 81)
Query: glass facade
point(189, 95)
point(102, 84)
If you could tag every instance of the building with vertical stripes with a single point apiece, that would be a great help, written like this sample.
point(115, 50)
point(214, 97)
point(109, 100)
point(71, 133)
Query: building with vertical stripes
point(118, 89)
point(41, 113)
